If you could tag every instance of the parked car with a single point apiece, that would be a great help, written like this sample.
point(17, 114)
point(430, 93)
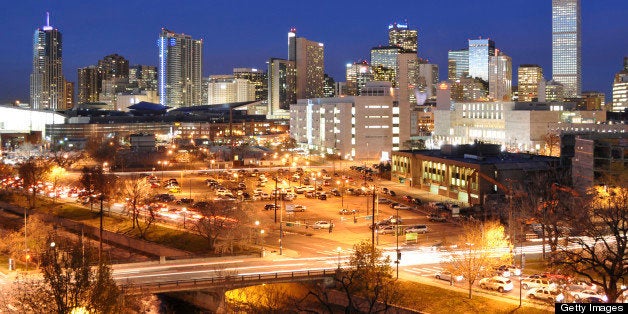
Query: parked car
point(392, 193)
point(271, 207)
point(416, 229)
point(436, 218)
point(345, 211)
point(387, 229)
point(322, 197)
point(528, 283)
point(322, 225)
point(383, 200)
point(417, 201)
point(498, 283)
point(447, 276)
point(502, 271)
point(549, 295)
point(587, 293)
point(402, 207)
point(407, 198)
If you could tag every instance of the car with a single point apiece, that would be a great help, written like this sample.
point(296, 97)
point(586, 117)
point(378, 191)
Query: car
point(185, 201)
point(271, 207)
point(447, 276)
point(549, 295)
point(387, 229)
point(258, 191)
point(392, 193)
point(402, 207)
point(383, 200)
point(335, 192)
point(498, 283)
point(528, 283)
point(417, 201)
point(299, 208)
point(587, 293)
point(416, 229)
point(321, 224)
point(322, 197)
point(393, 204)
point(407, 198)
point(345, 211)
point(514, 270)
point(436, 218)
point(502, 271)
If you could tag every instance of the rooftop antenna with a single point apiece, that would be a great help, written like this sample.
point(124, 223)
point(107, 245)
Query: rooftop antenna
point(47, 26)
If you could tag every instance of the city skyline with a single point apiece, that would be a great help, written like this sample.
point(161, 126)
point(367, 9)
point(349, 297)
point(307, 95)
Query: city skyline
point(241, 36)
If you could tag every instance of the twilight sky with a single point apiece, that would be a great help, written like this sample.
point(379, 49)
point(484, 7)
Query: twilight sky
point(239, 33)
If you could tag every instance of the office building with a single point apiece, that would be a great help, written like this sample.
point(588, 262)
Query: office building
point(88, 84)
point(180, 69)
point(600, 159)
point(69, 95)
point(255, 76)
point(480, 50)
point(460, 171)
point(223, 89)
point(401, 36)
point(309, 59)
point(554, 91)
point(457, 64)
point(143, 77)
point(529, 80)
point(282, 76)
point(592, 101)
point(113, 67)
point(384, 63)
point(469, 89)
point(567, 46)
point(500, 77)
point(357, 75)
point(620, 89)
point(47, 82)
point(428, 79)
point(329, 90)
point(350, 126)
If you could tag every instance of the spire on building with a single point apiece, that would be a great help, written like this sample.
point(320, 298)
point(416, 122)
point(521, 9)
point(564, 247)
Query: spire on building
point(47, 27)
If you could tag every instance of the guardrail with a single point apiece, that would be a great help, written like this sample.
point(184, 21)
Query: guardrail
point(228, 280)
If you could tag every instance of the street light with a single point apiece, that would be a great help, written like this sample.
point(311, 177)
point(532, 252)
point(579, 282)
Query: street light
point(339, 249)
point(185, 211)
point(261, 234)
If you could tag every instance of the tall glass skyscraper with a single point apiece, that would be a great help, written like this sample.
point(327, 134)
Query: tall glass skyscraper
point(47, 83)
point(401, 36)
point(457, 63)
point(567, 46)
point(479, 52)
point(180, 69)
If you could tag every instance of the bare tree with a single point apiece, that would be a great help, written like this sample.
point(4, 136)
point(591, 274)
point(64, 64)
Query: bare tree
point(602, 256)
point(551, 144)
point(33, 171)
point(137, 191)
point(548, 200)
point(97, 182)
point(219, 219)
point(482, 247)
point(66, 159)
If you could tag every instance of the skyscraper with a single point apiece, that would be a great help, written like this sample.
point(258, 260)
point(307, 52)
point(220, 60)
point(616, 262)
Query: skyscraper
point(281, 86)
point(113, 66)
point(88, 84)
point(257, 77)
point(428, 78)
point(400, 35)
point(457, 64)
point(479, 52)
point(143, 77)
point(309, 59)
point(357, 75)
point(500, 77)
point(180, 69)
point(620, 89)
point(529, 80)
point(566, 46)
point(384, 63)
point(47, 82)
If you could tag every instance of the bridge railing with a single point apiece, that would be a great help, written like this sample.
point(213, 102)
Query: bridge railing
point(228, 279)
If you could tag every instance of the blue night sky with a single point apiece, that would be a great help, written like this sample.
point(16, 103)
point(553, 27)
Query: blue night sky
point(241, 33)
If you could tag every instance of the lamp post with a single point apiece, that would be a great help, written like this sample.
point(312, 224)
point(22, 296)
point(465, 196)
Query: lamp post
point(261, 234)
point(339, 249)
point(184, 210)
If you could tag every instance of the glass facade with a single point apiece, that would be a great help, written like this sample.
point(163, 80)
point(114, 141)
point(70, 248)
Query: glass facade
point(47, 82)
point(479, 52)
point(399, 35)
point(566, 46)
point(458, 64)
point(180, 69)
